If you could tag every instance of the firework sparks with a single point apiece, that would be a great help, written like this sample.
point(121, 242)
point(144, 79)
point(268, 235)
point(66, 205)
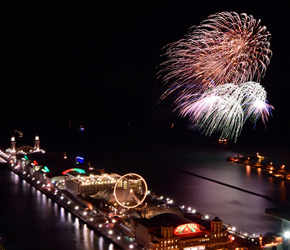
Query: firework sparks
point(225, 48)
point(225, 108)
point(256, 103)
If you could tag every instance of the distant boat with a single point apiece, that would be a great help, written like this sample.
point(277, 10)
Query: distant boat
point(223, 140)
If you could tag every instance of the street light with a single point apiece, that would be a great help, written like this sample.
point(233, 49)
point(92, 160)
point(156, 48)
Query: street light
point(287, 235)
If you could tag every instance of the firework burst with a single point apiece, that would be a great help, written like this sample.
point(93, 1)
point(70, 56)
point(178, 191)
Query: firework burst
point(224, 109)
point(224, 48)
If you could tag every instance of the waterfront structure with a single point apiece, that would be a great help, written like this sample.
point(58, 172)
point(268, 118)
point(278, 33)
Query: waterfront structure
point(173, 231)
point(24, 149)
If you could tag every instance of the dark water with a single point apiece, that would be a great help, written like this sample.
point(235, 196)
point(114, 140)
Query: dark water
point(31, 221)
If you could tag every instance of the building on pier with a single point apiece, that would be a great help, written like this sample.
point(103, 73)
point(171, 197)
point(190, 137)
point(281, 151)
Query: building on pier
point(172, 231)
point(23, 150)
point(86, 185)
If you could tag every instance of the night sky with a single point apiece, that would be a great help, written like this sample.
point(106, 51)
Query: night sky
point(95, 65)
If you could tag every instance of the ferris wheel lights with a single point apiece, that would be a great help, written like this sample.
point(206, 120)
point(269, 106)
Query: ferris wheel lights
point(135, 180)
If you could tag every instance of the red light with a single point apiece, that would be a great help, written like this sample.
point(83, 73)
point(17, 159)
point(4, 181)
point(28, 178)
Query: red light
point(187, 229)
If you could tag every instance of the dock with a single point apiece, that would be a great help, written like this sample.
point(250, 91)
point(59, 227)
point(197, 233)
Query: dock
point(258, 161)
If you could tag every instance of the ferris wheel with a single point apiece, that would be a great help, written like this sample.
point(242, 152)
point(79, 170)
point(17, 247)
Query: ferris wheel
point(130, 190)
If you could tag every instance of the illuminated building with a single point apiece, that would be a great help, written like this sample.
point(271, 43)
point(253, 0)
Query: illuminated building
point(86, 185)
point(172, 231)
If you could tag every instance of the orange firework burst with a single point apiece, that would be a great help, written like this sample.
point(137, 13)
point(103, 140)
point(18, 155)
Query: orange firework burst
point(224, 48)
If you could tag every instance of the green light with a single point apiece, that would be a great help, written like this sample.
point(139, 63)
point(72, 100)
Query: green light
point(25, 156)
point(46, 169)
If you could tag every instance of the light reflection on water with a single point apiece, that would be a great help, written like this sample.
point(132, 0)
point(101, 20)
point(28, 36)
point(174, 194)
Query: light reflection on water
point(31, 220)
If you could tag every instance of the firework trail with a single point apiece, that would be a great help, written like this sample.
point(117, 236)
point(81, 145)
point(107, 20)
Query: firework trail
point(224, 48)
point(225, 108)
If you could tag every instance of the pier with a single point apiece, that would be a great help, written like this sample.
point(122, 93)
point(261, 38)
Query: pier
point(99, 222)
point(102, 221)
point(258, 161)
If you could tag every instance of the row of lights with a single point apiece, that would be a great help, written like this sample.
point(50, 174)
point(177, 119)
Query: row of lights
point(55, 192)
point(92, 180)
point(4, 154)
point(110, 232)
